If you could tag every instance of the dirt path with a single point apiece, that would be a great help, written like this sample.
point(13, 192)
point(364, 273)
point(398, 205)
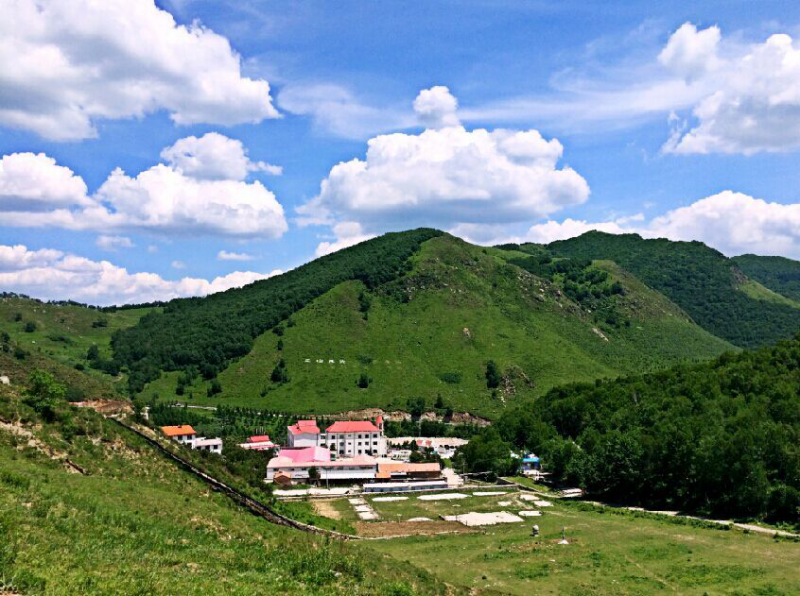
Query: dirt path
point(326, 509)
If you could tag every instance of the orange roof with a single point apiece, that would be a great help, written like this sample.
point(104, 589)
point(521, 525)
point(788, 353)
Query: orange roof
point(383, 475)
point(400, 468)
point(177, 431)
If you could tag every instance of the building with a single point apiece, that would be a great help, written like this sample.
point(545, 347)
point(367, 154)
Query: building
point(296, 464)
point(400, 487)
point(182, 434)
point(303, 434)
point(405, 471)
point(203, 444)
point(531, 465)
point(352, 438)
point(258, 443)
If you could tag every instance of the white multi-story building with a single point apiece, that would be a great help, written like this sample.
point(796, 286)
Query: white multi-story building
point(303, 434)
point(351, 438)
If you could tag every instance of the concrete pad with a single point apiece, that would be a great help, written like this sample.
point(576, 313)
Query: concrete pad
point(489, 493)
point(382, 499)
point(356, 501)
point(543, 503)
point(484, 519)
point(530, 513)
point(504, 503)
point(419, 519)
point(363, 508)
point(442, 497)
point(368, 516)
point(529, 498)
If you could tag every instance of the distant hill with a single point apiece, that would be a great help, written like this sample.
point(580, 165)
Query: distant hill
point(779, 274)
point(710, 287)
point(431, 330)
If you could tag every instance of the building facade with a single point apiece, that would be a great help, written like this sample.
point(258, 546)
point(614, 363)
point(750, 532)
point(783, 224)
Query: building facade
point(303, 434)
point(352, 438)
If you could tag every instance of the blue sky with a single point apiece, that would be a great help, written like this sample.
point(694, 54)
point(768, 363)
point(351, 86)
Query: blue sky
point(671, 119)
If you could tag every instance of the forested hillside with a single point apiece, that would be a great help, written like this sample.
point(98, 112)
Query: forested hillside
point(719, 438)
point(779, 274)
point(463, 328)
point(699, 279)
point(207, 333)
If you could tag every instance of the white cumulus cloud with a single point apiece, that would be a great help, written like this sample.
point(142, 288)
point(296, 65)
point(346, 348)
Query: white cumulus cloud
point(751, 96)
point(348, 233)
point(182, 198)
point(54, 275)
point(436, 107)
point(445, 177)
point(214, 157)
point(112, 243)
point(34, 182)
point(64, 64)
point(224, 255)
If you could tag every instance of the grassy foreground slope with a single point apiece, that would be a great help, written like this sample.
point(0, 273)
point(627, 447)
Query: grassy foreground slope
point(431, 332)
point(699, 279)
point(88, 508)
point(779, 274)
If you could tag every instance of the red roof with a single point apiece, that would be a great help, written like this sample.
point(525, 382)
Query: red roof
point(353, 426)
point(379, 419)
point(178, 431)
point(258, 439)
point(304, 426)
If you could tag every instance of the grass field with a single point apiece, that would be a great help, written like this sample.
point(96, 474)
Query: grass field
point(610, 552)
point(97, 511)
point(468, 306)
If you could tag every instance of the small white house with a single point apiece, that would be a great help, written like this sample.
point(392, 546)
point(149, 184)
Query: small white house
point(203, 444)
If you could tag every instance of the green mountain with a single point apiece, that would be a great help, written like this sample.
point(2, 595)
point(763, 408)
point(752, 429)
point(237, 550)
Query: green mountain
point(779, 274)
point(429, 329)
point(710, 287)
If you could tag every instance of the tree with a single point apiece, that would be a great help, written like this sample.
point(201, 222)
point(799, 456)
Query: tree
point(493, 377)
point(313, 474)
point(416, 406)
point(93, 353)
point(487, 452)
point(44, 393)
point(363, 381)
point(17, 317)
point(279, 373)
point(215, 388)
point(30, 327)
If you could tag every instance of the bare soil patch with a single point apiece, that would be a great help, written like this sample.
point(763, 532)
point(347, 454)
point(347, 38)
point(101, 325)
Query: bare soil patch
point(326, 509)
point(106, 406)
point(397, 529)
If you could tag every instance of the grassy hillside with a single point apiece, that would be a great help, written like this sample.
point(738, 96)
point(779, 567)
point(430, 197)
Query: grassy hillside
point(88, 508)
point(702, 281)
point(431, 333)
point(204, 334)
point(779, 274)
point(57, 337)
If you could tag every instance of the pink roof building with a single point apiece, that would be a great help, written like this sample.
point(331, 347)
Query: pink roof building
point(303, 434)
point(352, 426)
point(306, 454)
